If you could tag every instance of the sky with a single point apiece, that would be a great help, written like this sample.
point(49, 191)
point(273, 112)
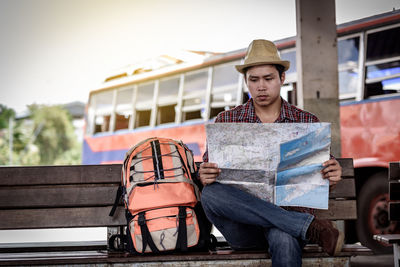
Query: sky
point(56, 51)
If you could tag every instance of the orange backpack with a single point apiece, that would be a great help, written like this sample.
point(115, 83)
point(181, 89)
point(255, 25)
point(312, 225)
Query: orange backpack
point(161, 198)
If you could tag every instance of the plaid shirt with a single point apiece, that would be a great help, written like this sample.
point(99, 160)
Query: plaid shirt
point(246, 113)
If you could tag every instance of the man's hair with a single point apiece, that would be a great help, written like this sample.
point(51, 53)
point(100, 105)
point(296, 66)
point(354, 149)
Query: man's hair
point(278, 67)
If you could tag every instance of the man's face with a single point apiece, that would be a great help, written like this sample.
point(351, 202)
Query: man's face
point(264, 84)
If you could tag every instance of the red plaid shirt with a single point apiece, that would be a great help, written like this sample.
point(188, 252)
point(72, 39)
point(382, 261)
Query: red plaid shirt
point(246, 113)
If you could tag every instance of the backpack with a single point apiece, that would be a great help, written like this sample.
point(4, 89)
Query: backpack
point(161, 199)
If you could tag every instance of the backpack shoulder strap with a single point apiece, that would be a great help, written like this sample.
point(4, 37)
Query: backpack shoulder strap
point(116, 201)
point(181, 242)
point(146, 236)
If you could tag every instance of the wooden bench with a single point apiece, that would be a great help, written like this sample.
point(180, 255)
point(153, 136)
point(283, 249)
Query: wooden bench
point(82, 196)
point(394, 211)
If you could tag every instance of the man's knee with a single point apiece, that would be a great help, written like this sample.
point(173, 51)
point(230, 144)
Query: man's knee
point(210, 193)
point(216, 199)
point(207, 196)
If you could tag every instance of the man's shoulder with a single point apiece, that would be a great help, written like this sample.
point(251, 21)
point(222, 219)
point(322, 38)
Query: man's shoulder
point(299, 115)
point(232, 115)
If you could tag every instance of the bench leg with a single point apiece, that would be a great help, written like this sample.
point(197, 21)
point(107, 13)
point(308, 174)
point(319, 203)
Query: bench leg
point(396, 254)
point(114, 231)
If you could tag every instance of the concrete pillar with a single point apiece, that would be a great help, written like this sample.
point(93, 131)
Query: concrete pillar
point(317, 88)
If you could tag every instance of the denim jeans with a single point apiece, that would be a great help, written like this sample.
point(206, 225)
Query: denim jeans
point(249, 222)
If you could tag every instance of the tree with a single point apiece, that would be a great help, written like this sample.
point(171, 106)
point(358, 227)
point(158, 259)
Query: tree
point(5, 115)
point(22, 152)
point(54, 135)
point(19, 137)
point(46, 137)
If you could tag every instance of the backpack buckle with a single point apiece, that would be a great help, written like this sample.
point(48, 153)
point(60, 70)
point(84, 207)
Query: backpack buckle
point(141, 219)
point(182, 213)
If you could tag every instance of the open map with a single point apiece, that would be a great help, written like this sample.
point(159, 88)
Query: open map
point(277, 162)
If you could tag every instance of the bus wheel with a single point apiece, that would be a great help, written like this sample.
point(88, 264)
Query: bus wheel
point(373, 213)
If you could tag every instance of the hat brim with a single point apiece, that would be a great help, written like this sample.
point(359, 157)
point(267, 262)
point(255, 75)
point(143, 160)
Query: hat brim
point(284, 63)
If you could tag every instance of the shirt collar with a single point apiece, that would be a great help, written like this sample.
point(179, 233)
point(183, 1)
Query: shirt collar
point(286, 113)
point(251, 111)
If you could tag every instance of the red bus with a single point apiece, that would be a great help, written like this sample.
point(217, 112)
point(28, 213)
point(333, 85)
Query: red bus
point(174, 98)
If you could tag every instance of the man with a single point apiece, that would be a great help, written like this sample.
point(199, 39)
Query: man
point(247, 221)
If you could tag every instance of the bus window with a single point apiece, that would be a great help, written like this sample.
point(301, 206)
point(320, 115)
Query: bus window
point(383, 62)
point(225, 85)
point(287, 92)
point(194, 95)
point(391, 85)
point(123, 108)
point(102, 109)
point(383, 44)
point(388, 86)
point(383, 70)
point(291, 73)
point(142, 118)
point(348, 55)
point(144, 103)
point(167, 100)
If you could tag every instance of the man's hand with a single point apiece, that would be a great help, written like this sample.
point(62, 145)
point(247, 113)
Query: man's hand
point(332, 171)
point(208, 173)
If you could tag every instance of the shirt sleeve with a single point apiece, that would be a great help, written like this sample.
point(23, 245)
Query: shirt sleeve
point(205, 155)
point(219, 118)
point(314, 118)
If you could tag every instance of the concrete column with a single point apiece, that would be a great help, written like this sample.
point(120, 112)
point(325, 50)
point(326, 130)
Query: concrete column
point(317, 88)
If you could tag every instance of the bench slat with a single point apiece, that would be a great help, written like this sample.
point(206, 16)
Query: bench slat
point(388, 239)
point(78, 174)
point(344, 189)
point(58, 196)
point(94, 195)
point(394, 211)
point(98, 216)
point(50, 175)
point(394, 171)
point(339, 210)
point(347, 166)
point(311, 257)
point(394, 190)
point(60, 217)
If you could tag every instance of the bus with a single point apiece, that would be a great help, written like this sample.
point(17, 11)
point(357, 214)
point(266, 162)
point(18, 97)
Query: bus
point(174, 98)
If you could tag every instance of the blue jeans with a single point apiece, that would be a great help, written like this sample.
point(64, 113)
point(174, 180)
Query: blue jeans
point(249, 222)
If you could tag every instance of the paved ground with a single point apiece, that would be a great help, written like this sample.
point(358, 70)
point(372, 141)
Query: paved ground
point(374, 260)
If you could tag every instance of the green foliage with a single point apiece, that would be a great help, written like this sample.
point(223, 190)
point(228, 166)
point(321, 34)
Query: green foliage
point(46, 138)
point(54, 135)
point(4, 150)
point(19, 142)
point(71, 156)
point(5, 115)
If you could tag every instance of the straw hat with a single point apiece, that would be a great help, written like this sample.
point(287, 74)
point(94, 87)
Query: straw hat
point(261, 52)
